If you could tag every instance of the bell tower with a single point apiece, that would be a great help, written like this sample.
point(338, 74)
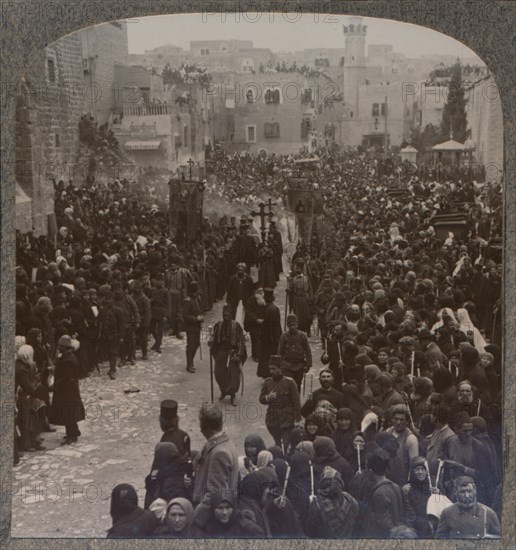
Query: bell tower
point(354, 62)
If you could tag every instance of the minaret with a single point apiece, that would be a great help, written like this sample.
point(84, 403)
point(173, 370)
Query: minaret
point(354, 63)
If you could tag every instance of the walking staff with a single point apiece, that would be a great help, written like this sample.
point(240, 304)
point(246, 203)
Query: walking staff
point(210, 331)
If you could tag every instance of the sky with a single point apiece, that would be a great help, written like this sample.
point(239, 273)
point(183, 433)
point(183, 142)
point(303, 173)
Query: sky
point(286, 32)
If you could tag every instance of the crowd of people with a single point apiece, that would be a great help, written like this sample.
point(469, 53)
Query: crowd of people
point(309, 72)
point(407, 323)
point(186, 73)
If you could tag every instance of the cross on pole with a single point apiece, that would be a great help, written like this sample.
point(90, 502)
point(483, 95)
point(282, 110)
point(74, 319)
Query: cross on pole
point(262, 214)
point(190, 163)
point(270, 204)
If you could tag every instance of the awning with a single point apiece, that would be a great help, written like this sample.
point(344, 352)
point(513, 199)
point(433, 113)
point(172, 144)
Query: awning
point(143, 145)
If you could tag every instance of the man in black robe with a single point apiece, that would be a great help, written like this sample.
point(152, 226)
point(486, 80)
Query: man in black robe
point(270, 333)
point(300, 297)
point(169, 423)
point(253, 320)
point(277, 247)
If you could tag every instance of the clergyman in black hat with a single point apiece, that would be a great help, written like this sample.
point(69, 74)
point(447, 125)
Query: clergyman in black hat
point(169, 423)
point(270, 333)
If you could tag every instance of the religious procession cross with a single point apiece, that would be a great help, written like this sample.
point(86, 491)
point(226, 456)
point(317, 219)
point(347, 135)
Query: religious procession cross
point(263, 214)
point(190, 163)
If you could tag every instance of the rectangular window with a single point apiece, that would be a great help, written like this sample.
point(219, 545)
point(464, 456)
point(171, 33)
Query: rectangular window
point(51, 71)
point(57, 140)
point(383, 109)
point(251, 133)
point(376, 109)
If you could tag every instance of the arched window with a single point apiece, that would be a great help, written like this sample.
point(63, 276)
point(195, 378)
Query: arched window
point(249, 96)
point(272, 96)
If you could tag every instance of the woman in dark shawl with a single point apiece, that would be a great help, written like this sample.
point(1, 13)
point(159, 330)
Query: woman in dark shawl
point(179, 521)
point(253, 445)
point(129, 520)
point(416, 493)
point(343, 434)
point(227, 520)
point(252, 489)
point(299, 484)
point(166, 479)
point(283, 518)
point(333, 513)
point(326, 455)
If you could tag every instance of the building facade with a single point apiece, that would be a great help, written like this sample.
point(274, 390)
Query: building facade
point(49, 105)
point(485, 121)
point(103, 47)
point(69, 78)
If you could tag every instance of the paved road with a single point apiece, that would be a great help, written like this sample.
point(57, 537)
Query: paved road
point(65, 491)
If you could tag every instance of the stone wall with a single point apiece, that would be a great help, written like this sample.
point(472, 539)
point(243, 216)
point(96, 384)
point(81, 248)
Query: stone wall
point(103, 46)
point(485, 120)
point(49, 105)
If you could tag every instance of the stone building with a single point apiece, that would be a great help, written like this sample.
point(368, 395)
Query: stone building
point(377, 113)
point(49, 105)
point(282, 113)
point(69, 78)
point(485, 121)
point(167, 133)
point(103, 47)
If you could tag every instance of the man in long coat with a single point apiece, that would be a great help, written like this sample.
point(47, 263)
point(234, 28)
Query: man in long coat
point(270, 333)
point(67, 408)
point(111, 323)
point(229, 353)
point(300, 296)
point(277, 247)
point(253, 320)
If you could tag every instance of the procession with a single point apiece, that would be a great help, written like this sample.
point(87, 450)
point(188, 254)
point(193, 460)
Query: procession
point(308, 343)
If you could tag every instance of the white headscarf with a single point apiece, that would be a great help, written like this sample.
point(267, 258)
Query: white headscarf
point(25, 354)
point(466, 326)
point(440, 323)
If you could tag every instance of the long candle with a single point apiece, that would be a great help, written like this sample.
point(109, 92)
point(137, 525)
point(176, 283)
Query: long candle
point(359, 466)
point(286, 482)
point(429, 478)
point(311, 481)
point(412, 364)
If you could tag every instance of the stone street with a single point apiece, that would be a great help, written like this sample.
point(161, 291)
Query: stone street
point(65, 491)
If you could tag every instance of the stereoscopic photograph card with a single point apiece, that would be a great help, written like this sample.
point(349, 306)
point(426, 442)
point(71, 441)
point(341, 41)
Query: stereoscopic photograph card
point(256, 284)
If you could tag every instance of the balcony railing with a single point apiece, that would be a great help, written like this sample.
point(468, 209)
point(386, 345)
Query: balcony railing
point(153, 110)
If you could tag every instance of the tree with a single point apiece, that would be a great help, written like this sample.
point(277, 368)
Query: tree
point(426, 139)
point(454, 121)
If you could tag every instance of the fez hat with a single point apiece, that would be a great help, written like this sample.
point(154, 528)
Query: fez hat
point(275, 360)
point(65, 342)
point(168, 409)
point(292, 319)
point(193, 287)
point(268, 292)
